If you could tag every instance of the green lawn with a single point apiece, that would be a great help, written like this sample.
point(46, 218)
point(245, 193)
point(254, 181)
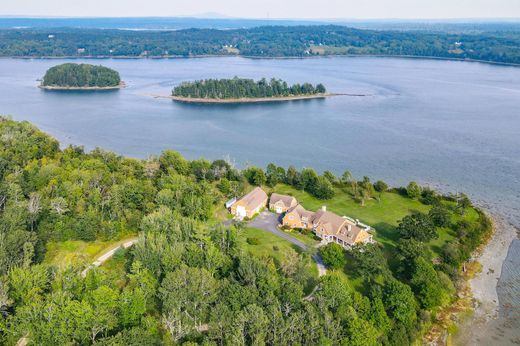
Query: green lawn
point(307, 239)
point(77, 252)
point(382, 215)
point(268, 244)
point(275, 247)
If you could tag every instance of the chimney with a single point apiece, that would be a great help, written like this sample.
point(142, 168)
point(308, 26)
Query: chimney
point(324, 208)
point(349, 227)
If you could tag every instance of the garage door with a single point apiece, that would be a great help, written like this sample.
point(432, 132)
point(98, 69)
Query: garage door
point(241, 212)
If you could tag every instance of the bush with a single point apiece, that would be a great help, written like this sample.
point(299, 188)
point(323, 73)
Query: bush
point(253, 241)
point(440, 216)
point(429, 197)
point(333, 255)
point(413, 190)
point(380, 186)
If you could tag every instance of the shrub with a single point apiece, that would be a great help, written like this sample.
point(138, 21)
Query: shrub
point(333, 255)
point(380, 186)
point(413, 190)
point(253, 241)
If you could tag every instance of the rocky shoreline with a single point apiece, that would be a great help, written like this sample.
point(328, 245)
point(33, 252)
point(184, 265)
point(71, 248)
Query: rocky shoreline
point(57, 87)
point(246, 100)
point(491, 321)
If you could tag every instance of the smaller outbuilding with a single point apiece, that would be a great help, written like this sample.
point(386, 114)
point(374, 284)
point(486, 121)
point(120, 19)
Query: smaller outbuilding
point(250, 204)
point(281, 203)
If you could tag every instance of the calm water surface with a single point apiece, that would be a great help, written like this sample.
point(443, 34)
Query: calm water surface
point(454, 125)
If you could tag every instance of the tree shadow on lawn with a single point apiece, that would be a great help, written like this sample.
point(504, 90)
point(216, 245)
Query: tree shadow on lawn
point(386, 234)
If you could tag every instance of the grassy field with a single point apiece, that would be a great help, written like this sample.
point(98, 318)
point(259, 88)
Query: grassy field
point(77, 252)
point(275, 247)
point(383, 215)
point(268, 243)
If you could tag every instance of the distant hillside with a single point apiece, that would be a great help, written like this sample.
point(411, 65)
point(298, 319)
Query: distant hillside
point(265, 41)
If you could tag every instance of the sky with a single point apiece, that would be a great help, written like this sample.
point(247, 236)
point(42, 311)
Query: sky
point(262, 9)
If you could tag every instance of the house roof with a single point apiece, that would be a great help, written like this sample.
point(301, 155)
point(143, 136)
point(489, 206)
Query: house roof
point(352, 234)
point(302, 212)
point(330, 221)
point(288, 201)
point(254, 199)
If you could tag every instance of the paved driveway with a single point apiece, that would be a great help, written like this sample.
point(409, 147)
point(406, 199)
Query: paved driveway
point(269, 222)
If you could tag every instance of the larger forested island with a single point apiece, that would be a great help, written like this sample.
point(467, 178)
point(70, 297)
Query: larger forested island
point(81, 76)
point(245, 90)
point(267, 41)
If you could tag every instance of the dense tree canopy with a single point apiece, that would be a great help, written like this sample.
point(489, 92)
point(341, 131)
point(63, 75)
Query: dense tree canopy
point(268, 41)
point(244, 88)
point(189, 279)
point(81, 75)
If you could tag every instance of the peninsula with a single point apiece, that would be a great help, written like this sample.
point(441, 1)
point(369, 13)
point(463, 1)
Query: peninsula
point(81, 77)
point(239, 90)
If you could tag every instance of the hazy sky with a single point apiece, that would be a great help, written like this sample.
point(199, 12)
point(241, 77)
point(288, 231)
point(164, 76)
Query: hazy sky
point(268, 8)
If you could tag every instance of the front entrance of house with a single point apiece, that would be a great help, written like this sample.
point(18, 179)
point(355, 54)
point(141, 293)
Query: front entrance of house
point(279, 210)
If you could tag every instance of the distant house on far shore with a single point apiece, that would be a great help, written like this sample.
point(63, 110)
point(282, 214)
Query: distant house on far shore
point(281, 203)
point(250, 204)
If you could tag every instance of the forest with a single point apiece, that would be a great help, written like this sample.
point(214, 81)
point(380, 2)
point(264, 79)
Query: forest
point(190, 279)
point(244, 88)
point(81, 75)
point(265, 41)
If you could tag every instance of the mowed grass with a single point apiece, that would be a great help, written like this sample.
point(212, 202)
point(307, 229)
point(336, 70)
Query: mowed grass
point(383, 214)
point(77, 252)
point(276, 248)
point(268, 244)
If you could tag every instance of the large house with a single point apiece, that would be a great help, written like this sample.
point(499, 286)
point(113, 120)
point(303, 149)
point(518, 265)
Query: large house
point(333, 228)
point(328, 226)
point(250, 204)
point(298, 217)
point(281, 203)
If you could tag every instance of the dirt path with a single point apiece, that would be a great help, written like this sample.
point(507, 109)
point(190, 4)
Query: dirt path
point(107, 255)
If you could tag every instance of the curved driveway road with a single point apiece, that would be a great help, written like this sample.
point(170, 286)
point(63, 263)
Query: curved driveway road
point(269, 222)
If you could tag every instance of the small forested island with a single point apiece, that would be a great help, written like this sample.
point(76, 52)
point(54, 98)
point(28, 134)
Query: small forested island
point(81, 77)
point(237, 90)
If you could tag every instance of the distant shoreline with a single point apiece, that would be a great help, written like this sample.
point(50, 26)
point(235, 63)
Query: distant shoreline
point(103, 57)
point(56, 87)
point(246, 100)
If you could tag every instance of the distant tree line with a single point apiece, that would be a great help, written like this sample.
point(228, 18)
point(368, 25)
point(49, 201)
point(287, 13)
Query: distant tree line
point(81, 75)
point(267, 41)
point(244, 88)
